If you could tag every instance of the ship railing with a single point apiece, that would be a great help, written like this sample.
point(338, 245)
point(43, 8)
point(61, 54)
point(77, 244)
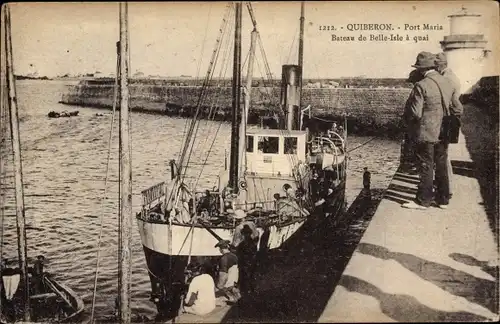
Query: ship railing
point(152, 196)
point(266, 205)
point(335, 142)
point(282, 207)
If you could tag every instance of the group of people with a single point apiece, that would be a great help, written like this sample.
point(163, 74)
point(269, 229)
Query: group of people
point(432, 116)
point(335, 129)
point(235, 275)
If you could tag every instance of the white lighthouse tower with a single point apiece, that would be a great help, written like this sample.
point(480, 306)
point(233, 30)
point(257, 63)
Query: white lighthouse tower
point(465, 48)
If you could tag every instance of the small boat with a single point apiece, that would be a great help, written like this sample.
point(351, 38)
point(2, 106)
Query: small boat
point(53, 302)
point(55, 114)
point(27, 293)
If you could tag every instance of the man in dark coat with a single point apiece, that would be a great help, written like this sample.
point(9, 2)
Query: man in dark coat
point(408, 153)
point(429, 101)
point(247, 257)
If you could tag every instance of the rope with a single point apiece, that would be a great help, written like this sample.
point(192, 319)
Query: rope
point(208, 78)
point(105, 193)
point(213, 112)
point(213, 142)
point(198, 68)
point(291, 46)
point(190, 244)
point(362, 144)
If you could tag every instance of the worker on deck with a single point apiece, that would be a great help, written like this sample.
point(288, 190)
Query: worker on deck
point(228, 273)
point(332, 130)
point(247, 258)
point(240, 215)
point(200, 298)
point(38, 274)
point(314, 187)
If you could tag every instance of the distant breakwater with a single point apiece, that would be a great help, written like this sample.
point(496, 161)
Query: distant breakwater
point(370, 111)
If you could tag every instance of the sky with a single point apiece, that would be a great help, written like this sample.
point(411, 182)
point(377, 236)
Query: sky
point(173, 39)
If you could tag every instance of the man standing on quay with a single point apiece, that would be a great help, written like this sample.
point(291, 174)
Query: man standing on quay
point(456, 107)
point(423, 114)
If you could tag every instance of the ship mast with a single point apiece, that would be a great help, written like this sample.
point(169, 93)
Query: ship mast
point(236, 115)
point(16, 149)
point(125, 217)
point(247, 92)
point(301, 49)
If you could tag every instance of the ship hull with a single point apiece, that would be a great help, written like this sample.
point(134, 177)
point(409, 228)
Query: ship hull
point(169, 247)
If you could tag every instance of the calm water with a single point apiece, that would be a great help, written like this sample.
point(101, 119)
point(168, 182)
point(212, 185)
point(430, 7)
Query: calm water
point(64, 163)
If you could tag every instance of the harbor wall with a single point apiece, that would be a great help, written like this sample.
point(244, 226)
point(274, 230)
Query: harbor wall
point(368, 110)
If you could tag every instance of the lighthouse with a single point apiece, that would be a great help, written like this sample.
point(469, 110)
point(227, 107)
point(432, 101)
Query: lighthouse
point(465, 48)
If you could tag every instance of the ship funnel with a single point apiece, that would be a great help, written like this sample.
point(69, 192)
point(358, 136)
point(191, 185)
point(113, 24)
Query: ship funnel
point(290, 95)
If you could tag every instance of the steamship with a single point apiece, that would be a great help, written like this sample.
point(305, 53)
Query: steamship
point(283, 177)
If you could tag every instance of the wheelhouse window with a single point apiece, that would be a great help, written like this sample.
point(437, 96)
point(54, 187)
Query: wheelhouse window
point(290, 145)
point(269, 144)
point(249, 143)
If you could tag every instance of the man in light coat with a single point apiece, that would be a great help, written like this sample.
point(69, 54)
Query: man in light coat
point(423, 114)
point(456, 107)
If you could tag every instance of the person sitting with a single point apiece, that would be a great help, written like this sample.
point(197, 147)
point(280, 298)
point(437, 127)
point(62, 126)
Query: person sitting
point(228, 273)
point(200, 298)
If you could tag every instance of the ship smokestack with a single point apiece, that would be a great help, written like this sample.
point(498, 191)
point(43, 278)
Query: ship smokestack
point(290, 95)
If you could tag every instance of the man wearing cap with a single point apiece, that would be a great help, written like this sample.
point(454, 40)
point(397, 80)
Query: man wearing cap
point(424, 111)
point(456, 107)
point(408, 149)
point(228, 272)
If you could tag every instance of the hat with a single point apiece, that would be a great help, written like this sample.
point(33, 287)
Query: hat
point(441, 59)
point(246, 230)
point(425, 60)
point(223, 244)
point(239, 214)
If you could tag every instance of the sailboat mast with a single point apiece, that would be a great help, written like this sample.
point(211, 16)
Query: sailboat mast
point(236, 86)
point(16, 149)
point(125, 262)
point(301, 49)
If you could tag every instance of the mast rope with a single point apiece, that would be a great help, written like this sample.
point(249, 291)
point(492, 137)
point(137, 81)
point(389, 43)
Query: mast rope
point(198, 68)
point(202, 94)
point(197, 122)
point(115, 99)
point(216, 132)
point(362, 144)
point(214, 108)
point(291, 46)
point(188, 136)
